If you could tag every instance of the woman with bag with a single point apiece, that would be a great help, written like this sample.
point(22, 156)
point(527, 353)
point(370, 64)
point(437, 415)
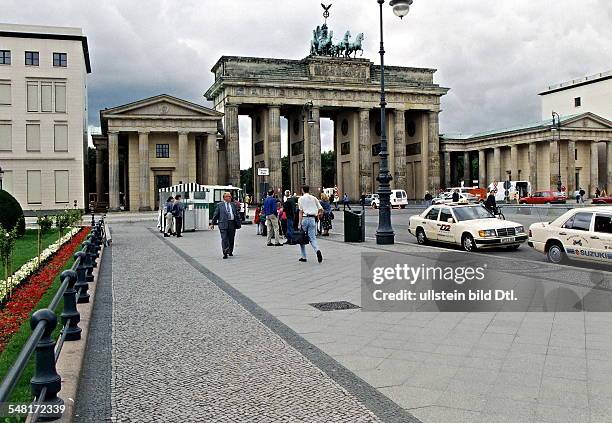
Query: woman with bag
point(327, 216)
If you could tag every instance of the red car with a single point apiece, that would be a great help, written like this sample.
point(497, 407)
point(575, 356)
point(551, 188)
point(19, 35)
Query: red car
point(543, 197)
point(603, 200)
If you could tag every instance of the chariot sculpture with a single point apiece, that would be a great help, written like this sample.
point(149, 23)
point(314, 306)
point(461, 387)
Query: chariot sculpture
point(322, 43)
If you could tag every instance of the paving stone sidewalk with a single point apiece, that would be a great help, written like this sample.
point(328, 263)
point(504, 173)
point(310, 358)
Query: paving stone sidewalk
point(185, 351)
point(441, 367)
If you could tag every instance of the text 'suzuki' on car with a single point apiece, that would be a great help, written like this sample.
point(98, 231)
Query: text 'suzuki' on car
point(583, 234)
point(471, 226)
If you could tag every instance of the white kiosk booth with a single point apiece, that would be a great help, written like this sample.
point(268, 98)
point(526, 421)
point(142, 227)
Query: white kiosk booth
point(200, 202)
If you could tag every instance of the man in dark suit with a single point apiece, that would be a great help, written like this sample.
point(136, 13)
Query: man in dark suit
point(227, 217)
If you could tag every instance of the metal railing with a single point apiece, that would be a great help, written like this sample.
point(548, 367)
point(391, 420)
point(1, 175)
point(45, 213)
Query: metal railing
point(46, 382)
point(579, 80)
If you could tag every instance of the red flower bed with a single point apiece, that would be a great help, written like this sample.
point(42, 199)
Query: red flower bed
point(28, 294)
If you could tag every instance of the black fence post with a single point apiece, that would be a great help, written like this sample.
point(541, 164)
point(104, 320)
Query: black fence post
point(45, 375)
point(89, 260)
point(81, 285)
point(73, 331)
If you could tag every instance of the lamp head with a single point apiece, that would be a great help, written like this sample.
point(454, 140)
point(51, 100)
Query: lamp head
point(401, 7)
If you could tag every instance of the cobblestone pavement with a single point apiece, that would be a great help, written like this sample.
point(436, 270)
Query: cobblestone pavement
point(441, 367)
point(185, 351)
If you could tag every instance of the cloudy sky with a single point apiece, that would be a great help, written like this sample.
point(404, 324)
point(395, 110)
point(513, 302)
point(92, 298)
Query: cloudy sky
point(494, 55)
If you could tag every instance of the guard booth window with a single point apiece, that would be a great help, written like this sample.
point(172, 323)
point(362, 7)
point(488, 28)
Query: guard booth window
point(218, 195)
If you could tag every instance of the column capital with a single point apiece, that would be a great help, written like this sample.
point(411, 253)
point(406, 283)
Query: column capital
point(144, 132)
point(183, 132)
point(109, 133)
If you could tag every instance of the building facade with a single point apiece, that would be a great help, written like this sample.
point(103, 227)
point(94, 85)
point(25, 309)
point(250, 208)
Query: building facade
point(589, 94)
point(155, 143)
point(581, 150)
point(345, 90)
point(43, 115)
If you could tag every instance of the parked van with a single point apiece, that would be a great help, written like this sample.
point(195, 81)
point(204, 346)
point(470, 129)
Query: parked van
point(398, 198)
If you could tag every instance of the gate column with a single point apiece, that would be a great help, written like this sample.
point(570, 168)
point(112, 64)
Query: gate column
point(365, 153)
point(400, 149)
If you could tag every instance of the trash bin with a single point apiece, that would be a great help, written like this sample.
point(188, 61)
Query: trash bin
point(354, 226)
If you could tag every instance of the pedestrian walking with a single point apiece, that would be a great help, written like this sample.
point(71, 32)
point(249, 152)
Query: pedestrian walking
point(490, 203)
point(168, 216)
point(346, 201)
point(282, 219)
point(428, 199)
point(582, 194)
point(257, 219)
point(228, 219)
point(270, 211)
point(455, 196)
point(597, 192)
point(335, 199)
point(290, 208)
point(327, 215)
point(177, 212)
point(310, 208)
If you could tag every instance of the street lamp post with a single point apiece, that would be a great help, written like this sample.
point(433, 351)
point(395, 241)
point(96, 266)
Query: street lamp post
point(1, 175)
point(556, 127)
point(384, 233)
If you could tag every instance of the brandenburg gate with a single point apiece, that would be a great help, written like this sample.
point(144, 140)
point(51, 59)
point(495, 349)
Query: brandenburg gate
point(329, 83)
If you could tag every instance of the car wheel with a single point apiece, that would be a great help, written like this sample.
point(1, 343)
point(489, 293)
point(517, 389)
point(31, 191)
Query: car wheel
point(402, 207)
point(513, 247)
point(555, 254)
point(421, 237)
point(467, 242)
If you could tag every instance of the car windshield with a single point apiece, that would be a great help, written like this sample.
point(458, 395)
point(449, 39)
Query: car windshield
point(472, 213)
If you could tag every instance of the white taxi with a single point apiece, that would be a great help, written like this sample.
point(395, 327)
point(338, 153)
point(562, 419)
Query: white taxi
point(579, 234)
point(471, 226)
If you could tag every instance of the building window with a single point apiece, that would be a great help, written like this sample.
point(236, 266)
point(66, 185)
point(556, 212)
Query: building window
point(61, 137)
point(6, 137)
point(413, 149)
point(575, 154)
point(60, 98)
point(297, 148)
point(162, 151)
point(60, 60)
point(32, 93)
point(345, 148)
point(46, 101)
point(34, 191)
point(577, 102)
point(61, 186)
point(33, 137)
point(5, 93)
point(31, 58)
point(259, 148)
point(5, 57)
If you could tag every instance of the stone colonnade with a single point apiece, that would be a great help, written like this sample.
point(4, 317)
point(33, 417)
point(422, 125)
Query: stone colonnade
point(356, 142)
point(183, 166)
point(537, 162)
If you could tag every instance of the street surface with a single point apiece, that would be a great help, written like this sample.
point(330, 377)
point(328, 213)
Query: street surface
point(198, 338)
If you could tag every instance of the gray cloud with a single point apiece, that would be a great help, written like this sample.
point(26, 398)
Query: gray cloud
point(495, 56)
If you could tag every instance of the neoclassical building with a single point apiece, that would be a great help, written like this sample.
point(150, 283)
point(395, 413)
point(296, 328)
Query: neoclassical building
point(154, 143)
point(533, 152)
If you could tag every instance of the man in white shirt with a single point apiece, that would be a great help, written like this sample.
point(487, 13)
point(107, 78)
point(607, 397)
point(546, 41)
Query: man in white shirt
point(310, 209)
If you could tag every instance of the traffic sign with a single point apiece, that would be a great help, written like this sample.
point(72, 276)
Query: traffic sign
point(263, 171)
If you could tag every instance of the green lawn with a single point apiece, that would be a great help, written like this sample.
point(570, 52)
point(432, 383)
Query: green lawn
point(26, 249)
